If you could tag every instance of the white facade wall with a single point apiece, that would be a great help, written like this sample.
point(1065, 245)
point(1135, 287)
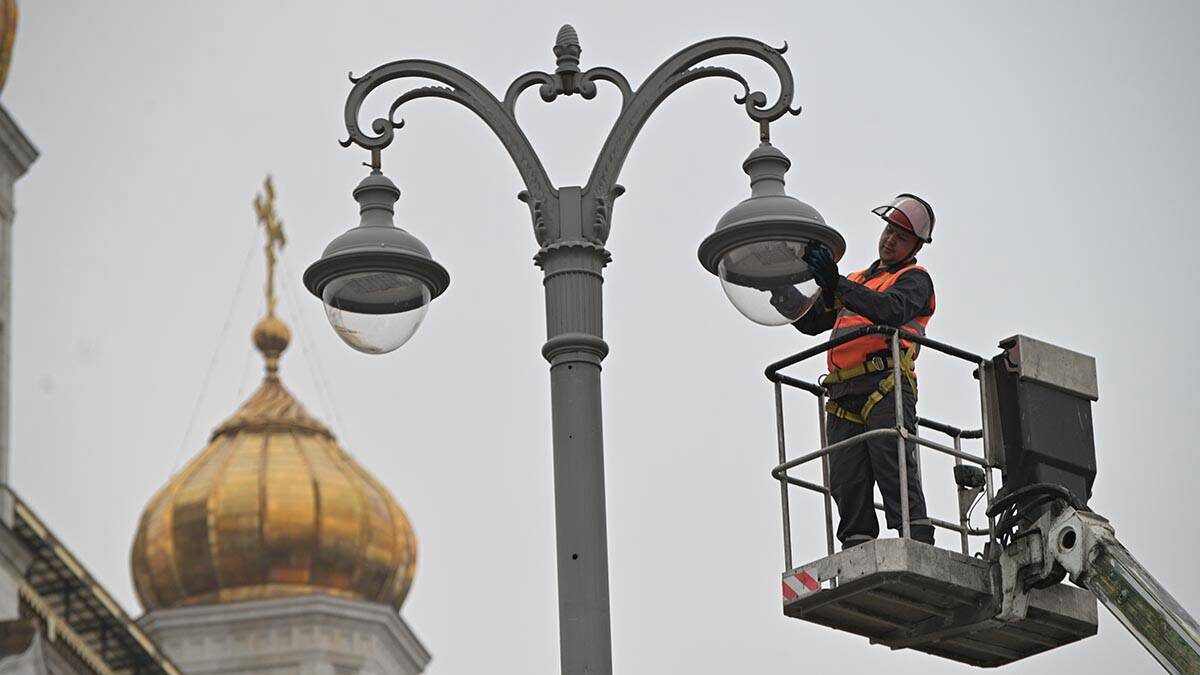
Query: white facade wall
point(16, 154)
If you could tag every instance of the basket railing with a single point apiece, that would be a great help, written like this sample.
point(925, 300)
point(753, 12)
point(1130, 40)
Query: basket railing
point(899, 432)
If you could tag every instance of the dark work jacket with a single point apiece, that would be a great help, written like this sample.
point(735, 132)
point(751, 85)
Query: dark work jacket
point(909, 297)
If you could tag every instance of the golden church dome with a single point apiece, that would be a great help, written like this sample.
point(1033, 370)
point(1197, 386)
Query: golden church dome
point(272, 507)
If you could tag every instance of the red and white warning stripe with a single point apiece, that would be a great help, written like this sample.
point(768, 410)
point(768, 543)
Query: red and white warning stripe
point(798, 584)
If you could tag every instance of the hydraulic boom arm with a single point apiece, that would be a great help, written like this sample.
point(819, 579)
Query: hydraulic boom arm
point(1085, 545)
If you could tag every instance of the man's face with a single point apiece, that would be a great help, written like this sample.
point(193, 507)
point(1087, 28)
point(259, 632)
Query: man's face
point(896, 244)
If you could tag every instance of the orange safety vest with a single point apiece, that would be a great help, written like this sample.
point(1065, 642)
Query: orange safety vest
point(856, 352)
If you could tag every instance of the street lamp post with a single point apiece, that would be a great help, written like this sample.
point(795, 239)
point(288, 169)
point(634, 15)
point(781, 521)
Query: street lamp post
point(377, 280)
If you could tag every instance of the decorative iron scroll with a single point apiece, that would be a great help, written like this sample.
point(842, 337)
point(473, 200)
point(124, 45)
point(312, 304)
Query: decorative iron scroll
point(567, 80)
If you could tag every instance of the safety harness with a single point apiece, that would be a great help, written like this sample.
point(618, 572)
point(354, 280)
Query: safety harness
point(886, 385)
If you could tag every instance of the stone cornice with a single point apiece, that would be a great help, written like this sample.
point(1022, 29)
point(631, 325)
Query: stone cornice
point(18, 151)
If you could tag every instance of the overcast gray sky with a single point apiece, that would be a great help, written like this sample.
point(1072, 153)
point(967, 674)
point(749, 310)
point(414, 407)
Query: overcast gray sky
point(1058, 145)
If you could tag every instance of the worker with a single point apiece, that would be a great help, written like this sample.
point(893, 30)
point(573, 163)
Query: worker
point(893, 291)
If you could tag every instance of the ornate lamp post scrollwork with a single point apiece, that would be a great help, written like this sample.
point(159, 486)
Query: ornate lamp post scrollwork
point(377, 280)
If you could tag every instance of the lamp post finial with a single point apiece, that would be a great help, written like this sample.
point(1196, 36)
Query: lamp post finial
point(567, 49)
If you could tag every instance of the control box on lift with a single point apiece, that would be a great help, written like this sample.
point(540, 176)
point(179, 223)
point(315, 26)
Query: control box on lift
point(1040, 420)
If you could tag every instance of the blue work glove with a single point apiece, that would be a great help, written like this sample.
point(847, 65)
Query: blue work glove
point(824, 270)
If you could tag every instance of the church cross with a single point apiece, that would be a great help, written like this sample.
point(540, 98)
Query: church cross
point(265, 208)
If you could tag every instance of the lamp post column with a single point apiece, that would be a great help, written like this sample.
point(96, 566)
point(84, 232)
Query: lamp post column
point(575, 347)
point(571, 225)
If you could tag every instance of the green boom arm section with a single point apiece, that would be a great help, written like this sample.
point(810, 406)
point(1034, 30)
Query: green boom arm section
point(1087, 547)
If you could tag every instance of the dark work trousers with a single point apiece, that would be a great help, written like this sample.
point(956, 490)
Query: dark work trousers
point(856, 469)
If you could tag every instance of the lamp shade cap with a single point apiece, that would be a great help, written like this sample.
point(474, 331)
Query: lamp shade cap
point(376, 249)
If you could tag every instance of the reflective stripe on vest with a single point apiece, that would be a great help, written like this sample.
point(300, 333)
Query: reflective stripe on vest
point(857, 351)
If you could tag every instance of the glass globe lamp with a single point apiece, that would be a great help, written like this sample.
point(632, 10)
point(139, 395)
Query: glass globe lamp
point(758, 247)
point(376, 280)
point(766, 299)
point(375, 312)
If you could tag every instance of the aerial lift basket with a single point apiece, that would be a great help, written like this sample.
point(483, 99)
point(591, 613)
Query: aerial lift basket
point(906, 594)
